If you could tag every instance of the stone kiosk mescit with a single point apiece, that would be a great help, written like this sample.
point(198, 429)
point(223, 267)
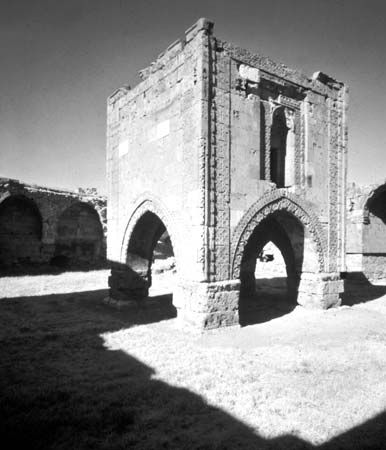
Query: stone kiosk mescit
point(226, 150)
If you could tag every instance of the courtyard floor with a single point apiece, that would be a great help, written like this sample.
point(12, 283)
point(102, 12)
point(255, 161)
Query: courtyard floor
point(77, 373)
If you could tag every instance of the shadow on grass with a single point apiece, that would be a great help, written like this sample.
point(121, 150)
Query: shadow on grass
point(270, 300)
point(62, 389)
point(49, 269)
point(358, 289)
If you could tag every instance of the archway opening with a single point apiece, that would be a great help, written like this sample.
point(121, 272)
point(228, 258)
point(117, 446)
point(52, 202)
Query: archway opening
point(79, 237)
point(279, 132)
point(376, 204)
point(270, 272)
point(271, 268)
point(374, 237)
point(150, 257)
point(20, 232)
point(163, 266)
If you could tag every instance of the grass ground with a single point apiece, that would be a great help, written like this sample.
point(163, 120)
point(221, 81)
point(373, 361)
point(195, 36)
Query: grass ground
point(75, 373)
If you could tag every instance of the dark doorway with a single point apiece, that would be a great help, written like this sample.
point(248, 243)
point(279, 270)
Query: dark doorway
point(20, 232)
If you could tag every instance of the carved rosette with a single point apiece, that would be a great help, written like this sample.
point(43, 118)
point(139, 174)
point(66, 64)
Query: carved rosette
point(279, 200)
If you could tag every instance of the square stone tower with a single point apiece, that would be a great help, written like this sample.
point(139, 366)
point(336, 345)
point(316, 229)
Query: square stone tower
point(226, 150)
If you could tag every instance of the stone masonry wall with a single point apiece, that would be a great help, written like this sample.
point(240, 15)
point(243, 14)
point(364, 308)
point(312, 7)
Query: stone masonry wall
point(366, 230)
point(31, 221)
point(157, 141)
point(197, 144)
point(252, 87)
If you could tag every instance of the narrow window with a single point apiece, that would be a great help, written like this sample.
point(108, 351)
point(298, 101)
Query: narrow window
point(279, 132)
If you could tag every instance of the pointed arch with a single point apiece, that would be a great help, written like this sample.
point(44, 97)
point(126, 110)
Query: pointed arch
point(279, 200)
point(148, 204)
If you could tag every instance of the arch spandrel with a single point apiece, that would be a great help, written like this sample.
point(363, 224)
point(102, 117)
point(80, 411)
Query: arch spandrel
point(279, 200)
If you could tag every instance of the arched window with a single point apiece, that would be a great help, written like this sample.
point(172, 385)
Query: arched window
point(279, 132)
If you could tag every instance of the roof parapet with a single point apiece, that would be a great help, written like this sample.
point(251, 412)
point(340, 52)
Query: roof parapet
point(202, 24)
point(326, 80)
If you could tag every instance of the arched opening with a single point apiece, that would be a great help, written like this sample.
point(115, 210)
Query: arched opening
point(374, 236)
point(150, 256)
point(270, 271)
point(279, 132)
point(79, 237)
point(271, 268)
point(20, 231)
point(376, 204)
point(163, 266)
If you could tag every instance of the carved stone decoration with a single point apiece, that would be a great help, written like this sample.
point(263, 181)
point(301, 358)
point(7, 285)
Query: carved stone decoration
point(290, 156)
point(294, 151)
point(211, 204)
point(267, 138)
point(279, 200)
point(334, 209)
point(288, 102)
point(290, 118)
point(299, 148)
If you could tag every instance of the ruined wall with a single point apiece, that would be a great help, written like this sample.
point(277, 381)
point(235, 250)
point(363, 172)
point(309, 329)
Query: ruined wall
point(79, 235)
point(37, 224)
point(366, 230)
point(20, 231)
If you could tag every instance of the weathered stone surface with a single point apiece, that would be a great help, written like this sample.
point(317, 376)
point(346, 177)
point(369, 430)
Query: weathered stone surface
point(218, 146)
point(366, 230)
point(41, 225)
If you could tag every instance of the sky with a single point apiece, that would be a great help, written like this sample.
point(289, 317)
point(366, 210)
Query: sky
point(61, 59)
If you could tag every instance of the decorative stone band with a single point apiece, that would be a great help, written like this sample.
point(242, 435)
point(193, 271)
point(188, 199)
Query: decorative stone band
point(278, 200)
